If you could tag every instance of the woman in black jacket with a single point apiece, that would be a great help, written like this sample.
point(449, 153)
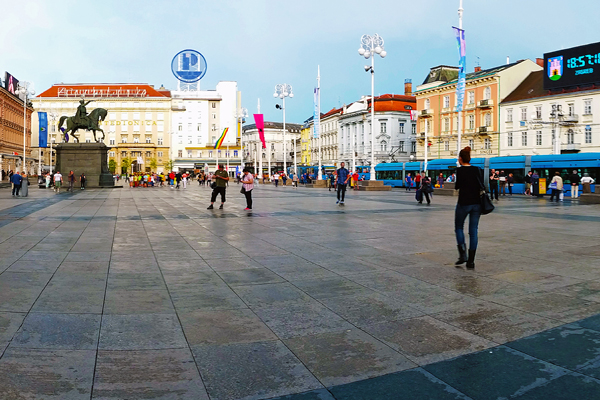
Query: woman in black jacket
point(469, 184)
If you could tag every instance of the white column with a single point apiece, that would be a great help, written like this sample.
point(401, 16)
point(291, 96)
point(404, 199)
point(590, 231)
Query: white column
point(284, 143)
point(372, 170)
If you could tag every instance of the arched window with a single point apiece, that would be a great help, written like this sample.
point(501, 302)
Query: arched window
point(471, 122)
point(487, 93)
point(488, 119)
point(383, 145)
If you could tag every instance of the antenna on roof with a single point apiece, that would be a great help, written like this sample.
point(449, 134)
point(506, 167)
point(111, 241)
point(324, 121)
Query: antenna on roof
point(478, 64)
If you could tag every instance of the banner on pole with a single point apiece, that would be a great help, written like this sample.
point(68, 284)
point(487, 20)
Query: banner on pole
point(462, 64)
point(43, 138)
point(316, 116)
point(260, 125)
point(219, 142)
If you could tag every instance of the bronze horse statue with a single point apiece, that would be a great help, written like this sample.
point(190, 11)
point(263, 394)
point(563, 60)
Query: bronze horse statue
point(97, 115)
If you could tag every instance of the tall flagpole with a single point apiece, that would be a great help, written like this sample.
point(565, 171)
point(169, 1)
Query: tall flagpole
point(259, 151)
point(320, 175)
point(460, 124)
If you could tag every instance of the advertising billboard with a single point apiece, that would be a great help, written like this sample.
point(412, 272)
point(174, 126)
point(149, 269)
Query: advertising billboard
point(11, 83)
point(577, 66)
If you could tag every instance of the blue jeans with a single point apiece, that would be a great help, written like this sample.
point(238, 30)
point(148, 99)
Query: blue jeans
point(474, 212)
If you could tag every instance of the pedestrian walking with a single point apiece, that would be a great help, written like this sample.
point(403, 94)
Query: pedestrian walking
point(16, 180)
point(184, 179)
point(355, 179)
point(510, 182)
point(556, 185)
point(48, 180)
point(494, 178)
point(221, 178)
point(535, 184)
point(574, 179)
point(408, 181)
point(82, 180)
point(527, 181)
point(343, 175)
point(284, 179)
point(24, 185)
point(71, 180)
point(502, 180)
point(469, 183)
point(426, 188)
point(586, 181)
point(276, 178)
point(247, 185)
point(57, 181)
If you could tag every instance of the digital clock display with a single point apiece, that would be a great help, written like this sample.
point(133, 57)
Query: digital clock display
point(577, 66)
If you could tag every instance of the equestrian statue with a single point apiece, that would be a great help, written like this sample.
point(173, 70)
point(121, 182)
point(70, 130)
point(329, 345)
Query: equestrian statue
point(82, 120)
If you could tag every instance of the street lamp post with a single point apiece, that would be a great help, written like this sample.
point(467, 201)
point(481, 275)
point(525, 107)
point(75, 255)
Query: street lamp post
point(371, 45)
point(240, 114)
point(52, 117)
point(282, 91)
point(24, 90)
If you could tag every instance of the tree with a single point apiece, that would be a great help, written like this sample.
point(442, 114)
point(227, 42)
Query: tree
point(125, 164)
point(153, 164)
point(169, 165)
point(112, 165)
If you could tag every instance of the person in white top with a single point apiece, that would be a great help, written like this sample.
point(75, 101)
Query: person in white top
point(57, 181)
point(276, 178)
point(247, 186)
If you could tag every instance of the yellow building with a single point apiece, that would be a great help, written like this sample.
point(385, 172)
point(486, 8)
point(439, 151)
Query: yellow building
point(136, 129)
point(305, 143)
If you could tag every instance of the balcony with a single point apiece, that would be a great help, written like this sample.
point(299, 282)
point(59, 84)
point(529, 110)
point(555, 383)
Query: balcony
point(571, 119)
point(484, 130)
point(575, 147)
point(469, 106)
point(485, 103)
point(426, 113)
point(447, 110)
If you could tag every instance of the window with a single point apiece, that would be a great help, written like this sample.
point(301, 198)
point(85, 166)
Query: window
point(427, 104)
point(456, 123)
point(123, 139)
point(235, 153)
point(413, 147)
point(148, 139)
point(160, 141)
point(383, 145)
point(189, 154)
point(587, 107)
point(111, 154)
point(414, 129)
point(148, 116)
point(471, 144)
point(136, 115)
point(180, 139)
point(471, 121)
point(487, 93)
point(571, 109)
point(401, 147)
point(509, 117)
point(446, 124)
point(199, 154)
point(199, 139)
point(87, 140)
point(401, 127)
point(199, 127)
point(524, 139)
point(123, 154)
point(487, 144)
point(509, 137)
point(180, 127)
point(148, 154)
point(214, 128)
point(210, 154)
point(488, 119)
point(160, 116)
point(524, 114)
point(570, 136)
point(160, 126)
point(538, 138)
point(136, 139)
point(189, 127)
point(179, 153)
point(213, 105)
point(159, 153)
point(189, 140)
point(446, 101)
point(447, 146)
point(383, 126)
point(588, 134)
point(111, 142)
point(538, 112)
point(471, 97)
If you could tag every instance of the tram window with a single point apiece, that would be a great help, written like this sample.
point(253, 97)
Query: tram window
point(518, 174)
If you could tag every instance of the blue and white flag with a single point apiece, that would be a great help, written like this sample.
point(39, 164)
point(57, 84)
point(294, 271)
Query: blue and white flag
point(462, 64)
point(316, 116)
point(43, 138)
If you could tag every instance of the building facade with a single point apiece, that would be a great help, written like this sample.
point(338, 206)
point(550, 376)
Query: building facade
point(270, 159)
point(480, 124)
point(199, 118)
point(395, 130)
point(12, 117)
point(306, 135)
point(537, 121)
point(328, 136)
point(136, 129)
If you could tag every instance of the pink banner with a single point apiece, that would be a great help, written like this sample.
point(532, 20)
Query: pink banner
point(260, 125)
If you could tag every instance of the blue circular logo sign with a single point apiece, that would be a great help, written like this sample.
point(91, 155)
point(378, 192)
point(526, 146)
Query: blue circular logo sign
point(188, 66)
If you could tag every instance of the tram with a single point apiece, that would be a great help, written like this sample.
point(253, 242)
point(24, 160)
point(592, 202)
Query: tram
point(394, 174)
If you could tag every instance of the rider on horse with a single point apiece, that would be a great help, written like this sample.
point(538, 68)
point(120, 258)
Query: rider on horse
point(81, 117)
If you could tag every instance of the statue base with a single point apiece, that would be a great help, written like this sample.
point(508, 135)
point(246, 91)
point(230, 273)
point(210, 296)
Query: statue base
point(90, 159)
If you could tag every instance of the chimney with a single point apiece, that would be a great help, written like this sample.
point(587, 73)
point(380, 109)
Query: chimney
point(540, 62)
point(478, 68)
point(408, 87)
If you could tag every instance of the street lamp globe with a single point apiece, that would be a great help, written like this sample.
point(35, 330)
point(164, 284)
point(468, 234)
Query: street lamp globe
point(378, 49)
point(367, 54)
point(383, 54)
point(361, 51)
point(275, 95)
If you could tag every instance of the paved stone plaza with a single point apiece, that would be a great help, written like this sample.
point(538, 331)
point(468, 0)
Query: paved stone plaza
point(145, 294)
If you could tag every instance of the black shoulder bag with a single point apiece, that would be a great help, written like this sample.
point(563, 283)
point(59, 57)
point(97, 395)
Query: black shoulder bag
point(486, 204)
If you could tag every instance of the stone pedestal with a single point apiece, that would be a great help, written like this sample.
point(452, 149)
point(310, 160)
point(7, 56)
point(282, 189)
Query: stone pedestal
point(373, 186)
point(447, 190)
point(88, 158)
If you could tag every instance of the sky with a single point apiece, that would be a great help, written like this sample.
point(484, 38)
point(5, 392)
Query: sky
point(262, 43)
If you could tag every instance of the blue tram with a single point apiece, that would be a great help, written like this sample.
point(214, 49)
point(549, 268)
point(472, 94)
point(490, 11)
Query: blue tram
point(394, 174)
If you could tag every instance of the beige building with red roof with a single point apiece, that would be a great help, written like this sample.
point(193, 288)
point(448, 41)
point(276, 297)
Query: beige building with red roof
point(136, 129)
